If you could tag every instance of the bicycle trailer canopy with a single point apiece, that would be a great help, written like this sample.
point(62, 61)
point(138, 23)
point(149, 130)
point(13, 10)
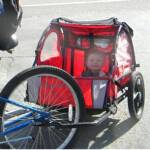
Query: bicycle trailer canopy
point(64, 44)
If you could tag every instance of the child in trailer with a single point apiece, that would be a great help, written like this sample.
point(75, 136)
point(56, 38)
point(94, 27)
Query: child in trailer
point(93, 63)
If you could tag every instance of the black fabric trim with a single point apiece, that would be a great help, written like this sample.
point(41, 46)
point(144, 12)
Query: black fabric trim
point(110, 21)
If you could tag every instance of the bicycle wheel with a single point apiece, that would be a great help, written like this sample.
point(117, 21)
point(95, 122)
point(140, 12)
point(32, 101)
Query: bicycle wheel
point(47, 88)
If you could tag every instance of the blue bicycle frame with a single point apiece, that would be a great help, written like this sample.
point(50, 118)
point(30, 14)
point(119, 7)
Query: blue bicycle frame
point(40, 116)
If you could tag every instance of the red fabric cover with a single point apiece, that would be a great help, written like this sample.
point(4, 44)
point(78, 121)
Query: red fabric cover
point(123, 58)
point(54, 92)
point(119, 71)
point(83, 42)
point(85, 85)
point(105, 67)
point(67, 60)
point(53, 61)
point(74, 32)
point(112, 91)
point(78, 62)
point(101, 30)
point(56, 61)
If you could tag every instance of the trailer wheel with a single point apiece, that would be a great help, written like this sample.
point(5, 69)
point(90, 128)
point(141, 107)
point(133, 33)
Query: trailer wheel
point(136, 96)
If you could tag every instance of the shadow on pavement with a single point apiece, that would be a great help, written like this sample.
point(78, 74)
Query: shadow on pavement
point(99, 136)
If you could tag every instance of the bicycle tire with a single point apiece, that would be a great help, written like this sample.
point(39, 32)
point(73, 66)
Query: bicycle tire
point(77, 110)
point(136, 103)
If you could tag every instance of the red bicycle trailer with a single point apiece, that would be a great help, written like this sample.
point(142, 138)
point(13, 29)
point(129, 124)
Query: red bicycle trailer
point(63, 47)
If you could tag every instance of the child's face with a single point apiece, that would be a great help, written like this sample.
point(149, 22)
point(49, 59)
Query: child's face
point(94, 62)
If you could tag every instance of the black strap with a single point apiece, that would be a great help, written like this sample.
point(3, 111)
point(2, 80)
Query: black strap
point(127, 28)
